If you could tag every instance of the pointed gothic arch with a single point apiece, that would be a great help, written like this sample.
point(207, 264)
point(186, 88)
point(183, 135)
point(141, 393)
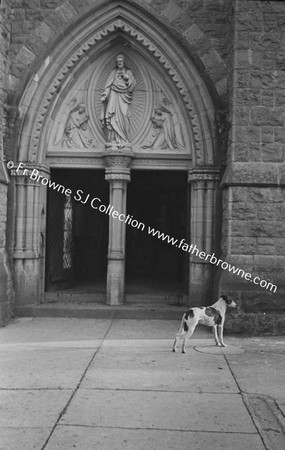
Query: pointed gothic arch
point(89, 39)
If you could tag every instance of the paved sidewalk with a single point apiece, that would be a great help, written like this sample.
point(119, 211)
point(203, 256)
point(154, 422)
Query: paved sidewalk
point(115, 384)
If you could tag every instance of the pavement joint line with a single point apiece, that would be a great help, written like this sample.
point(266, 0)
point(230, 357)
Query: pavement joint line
point(268, 419)
point(78, 385)
point(242, 394)
point(158, 391)
point(36, 389)
point(194, 430)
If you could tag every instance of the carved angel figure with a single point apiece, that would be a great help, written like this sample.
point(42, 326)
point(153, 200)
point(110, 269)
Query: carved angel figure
point(166, 133)
point(77, 133)
point(116, 100)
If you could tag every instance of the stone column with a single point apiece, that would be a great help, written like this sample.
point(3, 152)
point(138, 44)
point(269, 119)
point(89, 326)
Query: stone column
point(28, 248)
point(118, 175)
point(203, 201)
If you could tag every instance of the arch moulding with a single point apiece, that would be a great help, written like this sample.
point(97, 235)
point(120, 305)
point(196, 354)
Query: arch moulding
point(76, 51)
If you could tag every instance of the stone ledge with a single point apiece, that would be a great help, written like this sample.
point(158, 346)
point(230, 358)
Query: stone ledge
point(255, 324)
point(241, 323)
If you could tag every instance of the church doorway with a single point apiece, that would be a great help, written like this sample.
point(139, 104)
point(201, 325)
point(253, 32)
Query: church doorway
point(77, 234)
point(159, 199)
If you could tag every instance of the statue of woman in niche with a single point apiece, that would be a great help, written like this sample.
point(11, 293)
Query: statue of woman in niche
point(116, 100)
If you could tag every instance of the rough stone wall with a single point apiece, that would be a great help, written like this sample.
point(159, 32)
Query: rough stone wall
point(37, 24)
point(6, 287)
point(254, 182)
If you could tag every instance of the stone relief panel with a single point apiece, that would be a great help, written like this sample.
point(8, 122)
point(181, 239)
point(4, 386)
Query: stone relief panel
point(120, 100)
point(75, 133)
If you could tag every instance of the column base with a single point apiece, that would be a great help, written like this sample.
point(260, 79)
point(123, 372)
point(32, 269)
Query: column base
point(115, 282)
point(200, 287)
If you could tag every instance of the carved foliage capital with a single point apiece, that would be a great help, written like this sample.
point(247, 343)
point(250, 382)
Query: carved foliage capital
point(204, 174)
point(118, 161)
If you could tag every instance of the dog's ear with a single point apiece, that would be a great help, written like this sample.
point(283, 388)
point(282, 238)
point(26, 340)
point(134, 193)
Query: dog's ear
point(226, 298)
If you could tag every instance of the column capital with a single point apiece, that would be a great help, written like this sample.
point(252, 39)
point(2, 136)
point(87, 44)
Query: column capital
point(204, 174)
point(118, 160)
point(24, 169)
point(118, 166)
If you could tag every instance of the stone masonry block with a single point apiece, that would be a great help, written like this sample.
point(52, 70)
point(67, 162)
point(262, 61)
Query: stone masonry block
point(262, 80)
point(172, 11)
point(34, 14)
point(241, 115)
point(261, 115)
point(82, 5)
point(243, 246)
point(248, 133)
point(66, 11)
point(266, 211)
point(267, 134)
point(279, 134)
point(280, 211)
point(44, 32)
point(273, 152)
point(268, 98)
point(194, 35)
point(240, 228)
point(50, 4)
point(159, 5)
point(241, 78)
point(243, 59)
point(182, 23)
point(239, 194)
point(259, 195)
point(25, 56)
point(261, 261)
point(260, 228)
point(279, 97)
point(243, 211)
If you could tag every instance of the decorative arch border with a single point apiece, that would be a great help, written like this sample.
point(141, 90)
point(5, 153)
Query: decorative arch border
point(73, 51)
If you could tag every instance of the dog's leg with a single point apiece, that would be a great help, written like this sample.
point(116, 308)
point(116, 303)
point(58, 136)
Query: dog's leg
point(181, 333)
point(187, 336)
point(221, 332)
point(214, 328)
point(178, 336)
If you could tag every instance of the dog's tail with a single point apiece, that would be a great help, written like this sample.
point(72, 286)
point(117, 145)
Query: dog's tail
point(189, 313)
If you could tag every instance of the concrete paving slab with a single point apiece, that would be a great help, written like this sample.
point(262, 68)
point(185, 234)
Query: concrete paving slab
point(82, 438)
point(151, 329)
point(38, 408)
point(39, 368)
point(214, 350)
point(151, 365)
point(23, 330)
point(159, 410)
point(23, 438)
point(260, 373)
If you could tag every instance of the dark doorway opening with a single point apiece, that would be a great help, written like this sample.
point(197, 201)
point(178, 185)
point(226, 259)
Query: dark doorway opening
point(77, 234)
point(159, 199)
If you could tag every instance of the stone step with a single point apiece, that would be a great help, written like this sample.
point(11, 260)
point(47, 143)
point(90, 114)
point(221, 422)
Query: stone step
point(102, 311)
point(100, 297)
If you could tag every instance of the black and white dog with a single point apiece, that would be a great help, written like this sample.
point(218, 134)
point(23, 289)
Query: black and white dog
point(211, 316)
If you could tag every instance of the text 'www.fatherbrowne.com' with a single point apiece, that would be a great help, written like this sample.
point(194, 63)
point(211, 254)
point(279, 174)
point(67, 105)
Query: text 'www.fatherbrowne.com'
point(211, 258)
point(96, 203)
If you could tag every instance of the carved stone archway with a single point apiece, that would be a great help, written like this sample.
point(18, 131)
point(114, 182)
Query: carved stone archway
point(45, 99)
